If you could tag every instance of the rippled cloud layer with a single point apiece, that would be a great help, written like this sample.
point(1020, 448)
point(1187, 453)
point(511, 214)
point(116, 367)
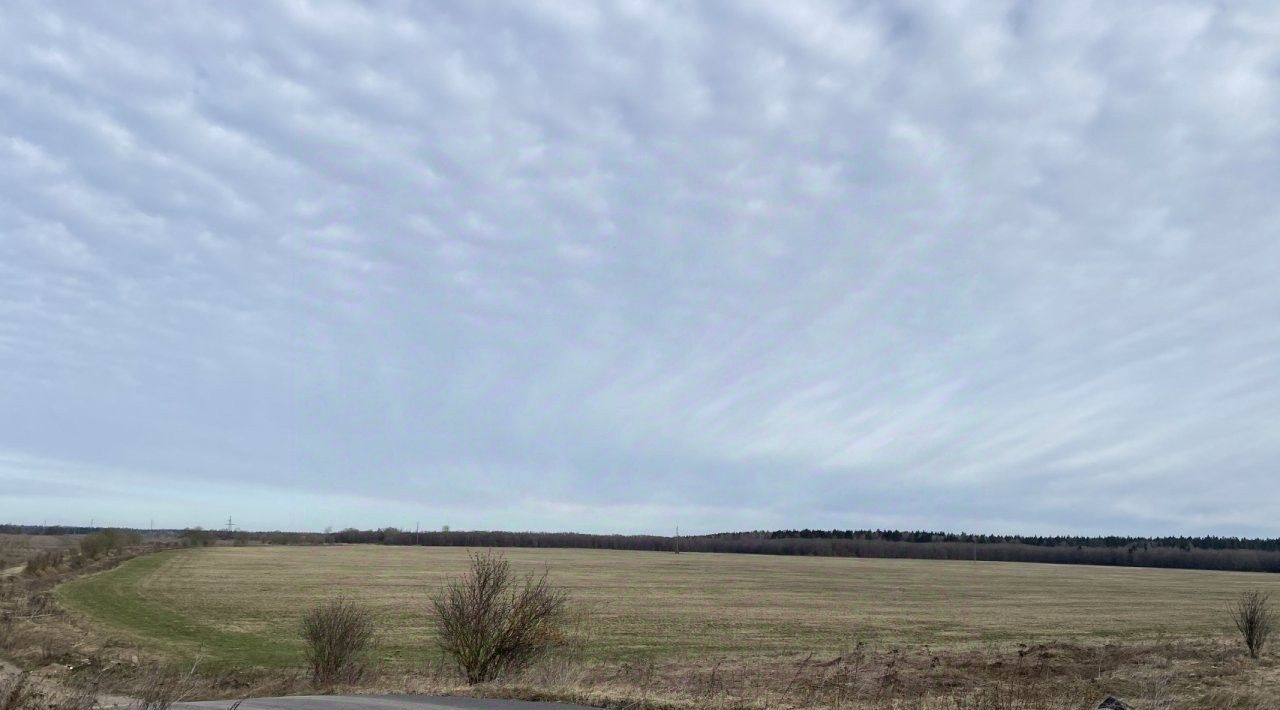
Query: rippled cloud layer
point(627, 265)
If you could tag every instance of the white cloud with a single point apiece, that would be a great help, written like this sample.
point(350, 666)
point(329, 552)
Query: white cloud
point(621, 264)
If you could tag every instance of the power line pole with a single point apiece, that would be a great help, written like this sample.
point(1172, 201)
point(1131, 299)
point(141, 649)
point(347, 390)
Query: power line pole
point(677, 539)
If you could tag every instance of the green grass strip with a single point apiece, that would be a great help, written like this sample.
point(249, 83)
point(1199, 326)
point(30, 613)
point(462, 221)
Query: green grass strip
point(115, 599)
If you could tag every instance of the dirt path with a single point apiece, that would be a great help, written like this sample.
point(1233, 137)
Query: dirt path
point(11, 571)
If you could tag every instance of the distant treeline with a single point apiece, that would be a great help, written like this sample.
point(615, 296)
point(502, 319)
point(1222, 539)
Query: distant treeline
point(1185, 553)
point(1186, 543)
point(8, 529)
point(1210, 553)
point(12, 529)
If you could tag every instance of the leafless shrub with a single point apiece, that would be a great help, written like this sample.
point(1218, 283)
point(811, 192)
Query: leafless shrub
point(1254, 619)
point(491, 623)
point(106, 542)
point(40, 603)
point(1156, 693)
point(43, 561)
point(338, 636)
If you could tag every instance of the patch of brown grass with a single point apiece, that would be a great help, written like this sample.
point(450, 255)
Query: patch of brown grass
point(16, 550)
point(1051, 676)
point(1165, 675)
point(23, 692)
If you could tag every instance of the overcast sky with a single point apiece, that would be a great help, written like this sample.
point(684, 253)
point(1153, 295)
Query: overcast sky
point(621, 266)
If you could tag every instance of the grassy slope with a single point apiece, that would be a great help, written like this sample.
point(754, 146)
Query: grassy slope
point(118, 600)
point(241, 605)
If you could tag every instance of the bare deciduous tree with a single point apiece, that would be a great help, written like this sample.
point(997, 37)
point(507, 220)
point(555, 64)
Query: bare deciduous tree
point(1254, 619)
point(338, 635)
point(492, 623)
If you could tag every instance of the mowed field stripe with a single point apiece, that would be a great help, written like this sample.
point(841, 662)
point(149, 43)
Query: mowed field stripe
point(243, 605)
point(134, 601)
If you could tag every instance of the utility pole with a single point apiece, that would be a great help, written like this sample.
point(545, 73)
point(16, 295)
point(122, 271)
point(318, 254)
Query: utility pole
point(677, 539)
point(415, 534)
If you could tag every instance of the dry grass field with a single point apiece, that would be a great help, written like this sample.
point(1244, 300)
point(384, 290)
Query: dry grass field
point(15, 550)
point(242, 605)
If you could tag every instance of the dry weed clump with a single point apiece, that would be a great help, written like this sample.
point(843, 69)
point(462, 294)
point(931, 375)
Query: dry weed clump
point(43, 561)
point(18, 693)
point(1151, 676)
point(157, 683)
point(1235, 699)
point(21, 692)
point(163, 685)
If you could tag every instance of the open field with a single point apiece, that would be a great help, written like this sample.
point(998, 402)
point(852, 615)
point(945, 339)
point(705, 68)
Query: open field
point(242, 605)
